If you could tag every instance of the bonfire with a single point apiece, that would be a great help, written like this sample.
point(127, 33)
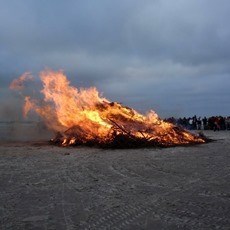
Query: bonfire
point(83, 117)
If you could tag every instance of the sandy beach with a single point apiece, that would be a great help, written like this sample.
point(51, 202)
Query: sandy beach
point(50, 187)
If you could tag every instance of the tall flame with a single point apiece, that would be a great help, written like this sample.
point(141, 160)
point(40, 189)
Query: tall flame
point(83, 116)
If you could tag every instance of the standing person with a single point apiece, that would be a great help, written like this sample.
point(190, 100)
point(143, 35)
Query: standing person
point(216, 126)
point(185, 123)
point(205, 120)
point(190, 122)
point(211, 121)
point(222, 123)
point(194, 121)
point(198, 123)
point(227, 123)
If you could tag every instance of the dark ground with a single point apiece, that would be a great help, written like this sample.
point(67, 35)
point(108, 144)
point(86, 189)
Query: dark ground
point(48, 187)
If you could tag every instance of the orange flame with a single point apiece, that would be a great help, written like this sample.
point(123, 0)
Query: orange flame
point(18, 84)
point(83, 116)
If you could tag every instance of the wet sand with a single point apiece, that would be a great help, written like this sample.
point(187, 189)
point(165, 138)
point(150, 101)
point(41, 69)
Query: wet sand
point(48, 187)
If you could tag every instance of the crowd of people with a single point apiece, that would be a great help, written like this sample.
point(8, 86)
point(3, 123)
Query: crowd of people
point(214, 123)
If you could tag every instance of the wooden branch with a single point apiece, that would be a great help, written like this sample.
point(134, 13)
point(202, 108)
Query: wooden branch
point(122, 129)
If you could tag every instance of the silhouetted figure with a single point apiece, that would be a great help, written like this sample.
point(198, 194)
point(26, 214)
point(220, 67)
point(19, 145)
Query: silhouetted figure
point(199, 123)
point(227, 123)
point(205, 121)
point(216, 126)
point(215, 123)
point(190, 121)
point(222, 123)
point(194, 122)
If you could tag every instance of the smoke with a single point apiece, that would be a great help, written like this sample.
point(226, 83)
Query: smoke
point(13, 126)
point(24, 131)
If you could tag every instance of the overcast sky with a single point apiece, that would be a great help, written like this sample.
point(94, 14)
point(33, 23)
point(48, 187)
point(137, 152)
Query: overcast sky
point(169, 56)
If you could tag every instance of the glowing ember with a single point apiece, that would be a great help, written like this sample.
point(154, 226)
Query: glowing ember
point(82, 116)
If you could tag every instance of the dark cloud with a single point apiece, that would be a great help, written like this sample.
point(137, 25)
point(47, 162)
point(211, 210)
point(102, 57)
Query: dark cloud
point(173, 56)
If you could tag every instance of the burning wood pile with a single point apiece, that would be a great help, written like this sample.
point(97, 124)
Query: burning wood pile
point(83, 117)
